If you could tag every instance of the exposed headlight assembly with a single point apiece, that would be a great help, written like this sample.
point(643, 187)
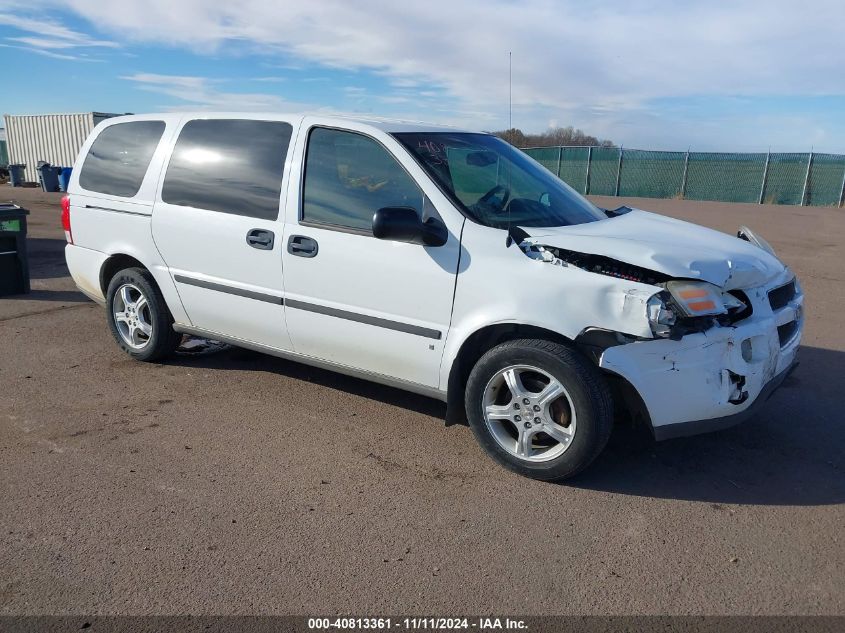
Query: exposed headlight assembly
point(685, 300)
point(698, 298)
point(660, 316)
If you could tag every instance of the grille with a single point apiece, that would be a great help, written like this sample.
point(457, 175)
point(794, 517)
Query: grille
point(780, 297)
point(787, 331)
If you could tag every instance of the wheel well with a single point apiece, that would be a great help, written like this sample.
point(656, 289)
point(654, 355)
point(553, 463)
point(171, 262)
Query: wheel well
point(476, 345)
point(112, 265)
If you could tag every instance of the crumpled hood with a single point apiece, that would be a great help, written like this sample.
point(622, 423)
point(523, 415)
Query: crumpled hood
point(672, 247)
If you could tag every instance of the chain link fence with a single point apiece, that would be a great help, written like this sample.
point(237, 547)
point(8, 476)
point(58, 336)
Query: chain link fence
point(765, 178)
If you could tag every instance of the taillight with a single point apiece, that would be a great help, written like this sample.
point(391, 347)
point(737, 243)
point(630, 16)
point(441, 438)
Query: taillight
point(66, 219)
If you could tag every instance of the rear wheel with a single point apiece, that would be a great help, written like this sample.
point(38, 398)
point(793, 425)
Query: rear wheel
point(539, 408)
point(138, 316)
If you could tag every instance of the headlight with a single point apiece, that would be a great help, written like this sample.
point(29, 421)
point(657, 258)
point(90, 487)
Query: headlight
point(685, 299)
point(697, 298)
point(748, 235)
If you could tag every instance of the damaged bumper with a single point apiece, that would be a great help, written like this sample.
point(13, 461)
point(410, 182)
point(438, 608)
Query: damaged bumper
point(695, 427)
point(714, 379)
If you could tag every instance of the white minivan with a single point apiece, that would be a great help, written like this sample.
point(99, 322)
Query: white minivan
point(439, 261)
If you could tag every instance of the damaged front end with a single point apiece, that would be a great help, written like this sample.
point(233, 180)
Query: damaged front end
point(677, 308)
point(714, 351)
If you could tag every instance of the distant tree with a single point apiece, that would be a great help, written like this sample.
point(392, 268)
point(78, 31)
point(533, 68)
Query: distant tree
point(550, 138)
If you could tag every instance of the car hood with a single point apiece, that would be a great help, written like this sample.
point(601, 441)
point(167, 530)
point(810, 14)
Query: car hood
point(669, 246)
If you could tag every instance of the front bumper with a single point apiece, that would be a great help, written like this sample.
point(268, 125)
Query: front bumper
point(696, 427)
point(714, 379)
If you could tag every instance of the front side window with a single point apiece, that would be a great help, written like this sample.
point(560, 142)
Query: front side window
point(349, 176)
point(229, 165)
point(119, 157)
point(495, 183)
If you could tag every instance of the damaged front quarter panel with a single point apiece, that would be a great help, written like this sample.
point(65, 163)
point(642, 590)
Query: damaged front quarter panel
point(625, 299)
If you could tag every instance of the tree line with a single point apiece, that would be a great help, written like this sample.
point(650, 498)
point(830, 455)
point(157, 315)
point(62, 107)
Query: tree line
point(552, 137)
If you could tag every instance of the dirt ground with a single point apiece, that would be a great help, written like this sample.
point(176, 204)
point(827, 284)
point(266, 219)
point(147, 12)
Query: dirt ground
point(238, 483)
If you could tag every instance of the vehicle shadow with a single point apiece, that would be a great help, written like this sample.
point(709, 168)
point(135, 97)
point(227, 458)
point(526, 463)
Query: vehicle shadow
point(63, 296)
point(236, 358)
point(791, 453)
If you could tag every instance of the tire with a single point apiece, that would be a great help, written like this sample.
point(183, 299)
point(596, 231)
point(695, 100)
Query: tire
point(145, 329)
point(555, 382)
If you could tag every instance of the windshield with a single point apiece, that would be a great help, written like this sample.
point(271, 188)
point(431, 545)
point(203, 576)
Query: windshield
point(495, 183)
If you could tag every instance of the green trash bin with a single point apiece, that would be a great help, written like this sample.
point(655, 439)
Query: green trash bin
point(14, 261)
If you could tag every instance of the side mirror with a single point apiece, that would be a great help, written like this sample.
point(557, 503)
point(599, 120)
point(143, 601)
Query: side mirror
point(402, 224)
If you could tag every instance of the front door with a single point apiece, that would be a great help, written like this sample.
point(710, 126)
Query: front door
point(216, 224)
point(351, 299)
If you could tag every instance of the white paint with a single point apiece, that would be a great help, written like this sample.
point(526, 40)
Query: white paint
point(472, 282)
point(669, 246)
point(682, 381)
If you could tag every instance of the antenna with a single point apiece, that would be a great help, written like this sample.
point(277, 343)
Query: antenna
point(510, 90)
point(509, 238)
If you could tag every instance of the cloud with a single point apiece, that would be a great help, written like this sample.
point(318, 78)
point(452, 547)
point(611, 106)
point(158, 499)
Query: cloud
point(51, 34)
point(201, 93)
point(47, 36)
point(52, 55)
point(50, 43)
point(570, 53)
point(600, 65)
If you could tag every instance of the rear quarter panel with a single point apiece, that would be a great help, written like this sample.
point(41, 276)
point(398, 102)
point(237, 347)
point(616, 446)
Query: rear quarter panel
point(113, 225)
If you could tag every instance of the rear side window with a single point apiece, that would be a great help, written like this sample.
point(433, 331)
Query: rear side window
point(229, 165)
point(119, 157)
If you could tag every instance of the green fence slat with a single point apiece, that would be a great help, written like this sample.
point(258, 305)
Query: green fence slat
point(648, 174)
point(825, 185)
point(604, 162)
point(721, 176)
point(785, 180)
point(725, 177)
point(573, 167)
point(546, 156)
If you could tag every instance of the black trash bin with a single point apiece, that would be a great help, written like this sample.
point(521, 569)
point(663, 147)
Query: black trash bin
point(49, 176)
point(14, 262)
point(17, 175)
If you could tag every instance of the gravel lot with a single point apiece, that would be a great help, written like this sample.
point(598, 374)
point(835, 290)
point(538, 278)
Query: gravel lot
point(238, 483)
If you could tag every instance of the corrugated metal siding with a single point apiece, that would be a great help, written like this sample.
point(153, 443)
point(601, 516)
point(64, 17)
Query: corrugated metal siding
point(55, 138)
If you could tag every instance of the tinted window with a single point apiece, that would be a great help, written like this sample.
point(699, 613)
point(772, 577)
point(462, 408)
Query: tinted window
point(228, 165)
point(348, 177)
point(495, 183)
point(119, 157)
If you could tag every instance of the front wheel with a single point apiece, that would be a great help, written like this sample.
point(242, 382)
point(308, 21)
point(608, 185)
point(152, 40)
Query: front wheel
point(138, 316)
point(539, 408)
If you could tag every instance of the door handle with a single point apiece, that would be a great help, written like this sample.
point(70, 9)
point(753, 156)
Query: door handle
point(260, 239)
point(302, 246)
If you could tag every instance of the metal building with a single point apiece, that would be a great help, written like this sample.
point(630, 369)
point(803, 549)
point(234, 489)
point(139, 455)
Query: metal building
point(55, 138)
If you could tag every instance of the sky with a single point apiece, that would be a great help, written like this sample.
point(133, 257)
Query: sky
point(743, 75)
